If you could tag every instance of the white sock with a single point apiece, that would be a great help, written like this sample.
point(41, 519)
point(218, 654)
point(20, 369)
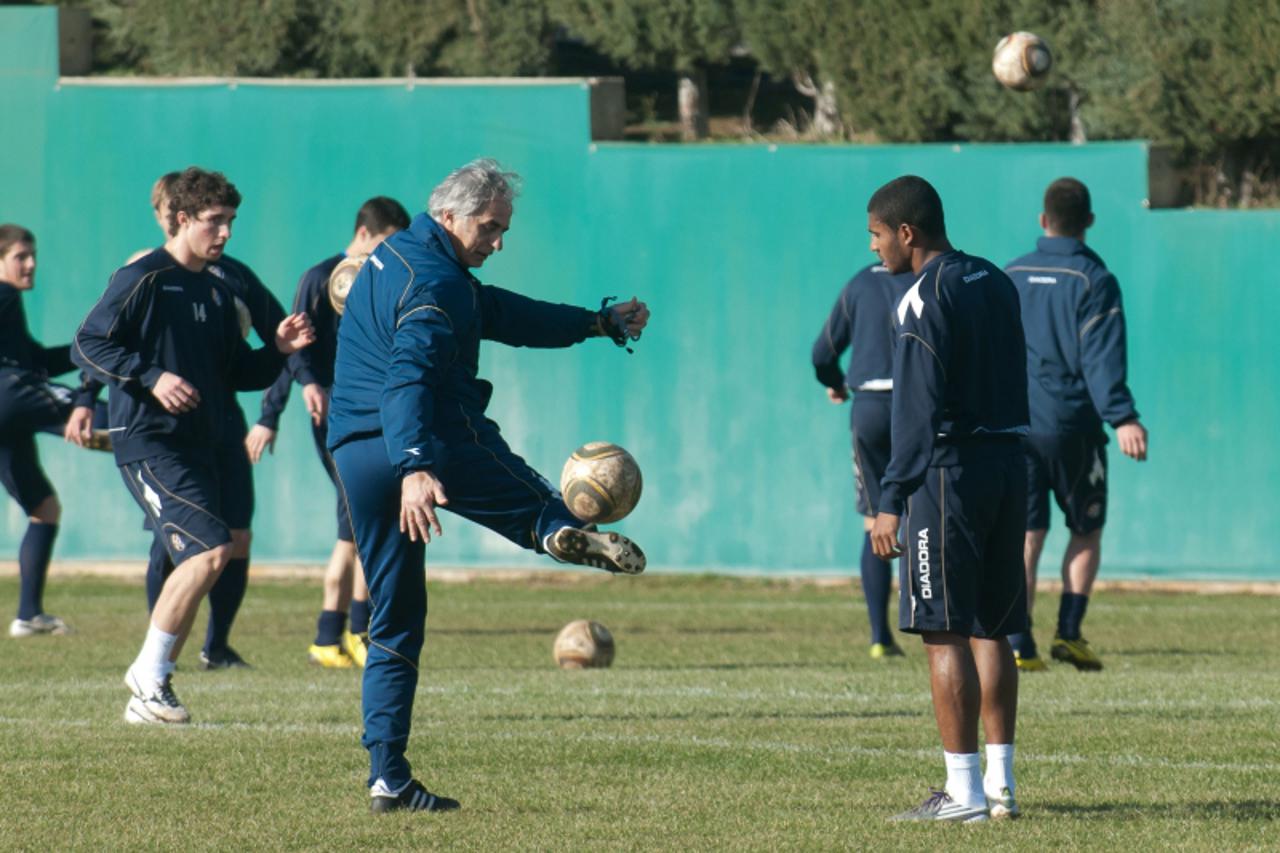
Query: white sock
point(964, 778)
point(999, 768)
point(380, 789)
point(153, 661)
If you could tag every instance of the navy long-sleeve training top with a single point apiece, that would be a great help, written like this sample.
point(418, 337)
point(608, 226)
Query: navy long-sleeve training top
point(313, 363)
point(959, 369)
point(19, 351)
point(1073, 318)
point(157, 316)
point(862, 318)
point(409, 345)
point(265, 315)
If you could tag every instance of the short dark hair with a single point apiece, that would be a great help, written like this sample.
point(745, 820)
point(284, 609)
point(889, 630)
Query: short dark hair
point(381, 213)
point(197, 189)
point(10, 234)
point(912, 201)
point(160, 192)
point(1067, 206)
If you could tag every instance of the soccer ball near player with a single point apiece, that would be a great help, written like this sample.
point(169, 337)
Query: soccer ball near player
point(341, 279)
point(583, 644)
point(1022, 61)
point(600, 483)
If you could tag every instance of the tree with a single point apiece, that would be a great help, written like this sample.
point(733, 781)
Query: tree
point(679, 35)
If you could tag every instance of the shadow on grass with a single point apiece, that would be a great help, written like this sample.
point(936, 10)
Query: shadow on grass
point(1236, 810)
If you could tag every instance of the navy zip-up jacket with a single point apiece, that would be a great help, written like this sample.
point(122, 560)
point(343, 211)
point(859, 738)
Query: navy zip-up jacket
point(21, 353)
point(409, 346)
point(959, 370)
point(313, 363)
point(1073, 316)
point(862, 318)
point(157, 316)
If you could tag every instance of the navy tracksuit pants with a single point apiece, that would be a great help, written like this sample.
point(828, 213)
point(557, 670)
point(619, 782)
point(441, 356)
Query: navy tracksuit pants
point(484, 482)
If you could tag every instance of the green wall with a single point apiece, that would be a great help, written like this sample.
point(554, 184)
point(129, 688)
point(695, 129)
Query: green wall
point(740, 251)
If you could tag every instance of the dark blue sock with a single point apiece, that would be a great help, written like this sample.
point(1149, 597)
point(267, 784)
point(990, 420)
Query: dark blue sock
point(33, 567)
point(158, 568)
point(1070, 614)
point(1024, 643)
point(224, 603)
point(876, 574)
point(329, 627)
point(359, 616)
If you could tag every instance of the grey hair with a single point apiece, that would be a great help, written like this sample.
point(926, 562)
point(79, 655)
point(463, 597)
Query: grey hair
point(469, 189)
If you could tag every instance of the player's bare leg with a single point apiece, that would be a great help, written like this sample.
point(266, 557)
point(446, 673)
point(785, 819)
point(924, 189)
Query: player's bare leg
point(998, 677)
point(339, 577)
point(1079, 570)
point(957, 706)
point(148, 679)
point(179, 601)
point(1080, 562)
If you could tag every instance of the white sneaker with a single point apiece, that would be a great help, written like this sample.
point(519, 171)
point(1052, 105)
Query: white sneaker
point(41, 623)
point(153, 702)
point(1003, 805)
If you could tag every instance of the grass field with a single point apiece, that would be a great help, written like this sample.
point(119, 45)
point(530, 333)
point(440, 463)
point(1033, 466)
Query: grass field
point(740, 714)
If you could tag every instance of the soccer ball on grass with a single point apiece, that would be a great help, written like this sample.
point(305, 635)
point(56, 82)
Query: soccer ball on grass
point(583, 644)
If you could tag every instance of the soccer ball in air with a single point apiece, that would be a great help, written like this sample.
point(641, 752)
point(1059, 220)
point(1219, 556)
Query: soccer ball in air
point(1022, 61)
point(583, 644)
point(600, 483)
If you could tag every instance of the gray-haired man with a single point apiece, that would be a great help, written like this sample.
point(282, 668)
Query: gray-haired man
point(408, 433)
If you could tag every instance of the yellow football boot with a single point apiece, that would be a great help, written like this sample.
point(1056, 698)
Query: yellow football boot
point(1077, 653)
point(330, 657)
point(880, 651)
point(1030, 664)
point(356, 647)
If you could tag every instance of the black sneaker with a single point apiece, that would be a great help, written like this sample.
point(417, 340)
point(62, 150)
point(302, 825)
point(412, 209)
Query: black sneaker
point(612, 552)
point(225, 658)
point(413, 797)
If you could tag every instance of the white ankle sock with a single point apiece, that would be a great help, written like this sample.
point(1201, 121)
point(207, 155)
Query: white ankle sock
point(964, 778)
point(999, 768)
point(153, 661)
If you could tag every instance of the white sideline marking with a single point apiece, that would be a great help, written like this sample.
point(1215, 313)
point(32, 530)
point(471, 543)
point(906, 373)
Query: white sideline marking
point(823, 751)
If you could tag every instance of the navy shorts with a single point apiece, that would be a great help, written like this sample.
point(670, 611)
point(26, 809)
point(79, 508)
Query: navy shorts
point(1074, 468)
point(870, 421)
point(180, 494)
point(961, 570)
point(28, 405)
point(320, 434)
point(235, 485)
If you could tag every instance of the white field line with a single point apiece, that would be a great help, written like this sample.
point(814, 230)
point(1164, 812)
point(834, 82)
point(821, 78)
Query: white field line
point(81, 687)
point(559, 737)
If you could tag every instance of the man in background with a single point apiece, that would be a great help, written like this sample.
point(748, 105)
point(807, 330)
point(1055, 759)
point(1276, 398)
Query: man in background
point(862, 317)
point(1077, 370)
point(312, 368)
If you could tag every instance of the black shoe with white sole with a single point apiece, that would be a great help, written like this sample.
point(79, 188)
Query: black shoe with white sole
point(224, 658)
point(412, 797)
point(610, 551)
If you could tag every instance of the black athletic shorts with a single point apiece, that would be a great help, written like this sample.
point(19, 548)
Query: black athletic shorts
point(961, 570)
point(180, 494)
point(235, 485)
point(28, 405)
point(870, 422)
point(1074, 468)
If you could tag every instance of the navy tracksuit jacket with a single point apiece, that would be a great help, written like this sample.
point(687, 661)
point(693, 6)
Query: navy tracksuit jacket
point(1073, 318)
